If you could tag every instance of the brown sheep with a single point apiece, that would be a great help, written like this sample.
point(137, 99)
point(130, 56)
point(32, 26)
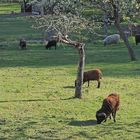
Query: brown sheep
point(110, 106)
point(92, 75)
point(22, 44)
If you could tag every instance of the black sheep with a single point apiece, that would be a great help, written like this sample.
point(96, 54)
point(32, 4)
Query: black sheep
point(51, 43)
point(137, 38)
point(22, 44)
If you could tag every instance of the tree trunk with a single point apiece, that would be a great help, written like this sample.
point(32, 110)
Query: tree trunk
point(81, 64)
point(122, 34)
point(79, 80)
point(125, 39)
point(24, 5)
point(42, 10)
point(105, 25)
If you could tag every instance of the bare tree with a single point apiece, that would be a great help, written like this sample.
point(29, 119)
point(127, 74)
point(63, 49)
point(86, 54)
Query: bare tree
point(65, 17)
point(81, 63)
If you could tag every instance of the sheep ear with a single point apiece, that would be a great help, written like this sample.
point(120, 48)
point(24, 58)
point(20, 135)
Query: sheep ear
point(101, 114)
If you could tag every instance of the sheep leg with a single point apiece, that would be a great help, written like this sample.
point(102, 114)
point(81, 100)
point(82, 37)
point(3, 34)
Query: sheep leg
point(98, 84)
point(88, 83)
point(48, 48)
point(114, 116)
point(105, 120)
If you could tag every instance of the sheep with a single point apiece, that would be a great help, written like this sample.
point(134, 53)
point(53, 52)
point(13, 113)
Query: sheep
point(92, 75)
point(111, 39)
point(137, 38)
point(134, 29)
point(51, 43)
point(110, 106)
point(23, 44)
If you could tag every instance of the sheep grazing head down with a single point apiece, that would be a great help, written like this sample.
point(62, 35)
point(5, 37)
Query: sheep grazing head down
point(109, 107)
point(111, 39)
point(51, 43)
point(100, 117)
point(137, 38)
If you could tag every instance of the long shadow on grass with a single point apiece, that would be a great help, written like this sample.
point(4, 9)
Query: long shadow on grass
point(83, 123)
point(34, 100)
point(44, 58)
point(110, 62)
point(68, 87)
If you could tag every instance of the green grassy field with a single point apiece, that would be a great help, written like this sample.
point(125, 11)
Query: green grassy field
point(36, 89)
point(7, 8)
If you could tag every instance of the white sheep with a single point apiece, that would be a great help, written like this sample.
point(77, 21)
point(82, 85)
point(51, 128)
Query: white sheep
point(111, 39)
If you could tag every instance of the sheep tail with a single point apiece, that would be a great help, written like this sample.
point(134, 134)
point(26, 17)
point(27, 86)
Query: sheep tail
point(100, 74)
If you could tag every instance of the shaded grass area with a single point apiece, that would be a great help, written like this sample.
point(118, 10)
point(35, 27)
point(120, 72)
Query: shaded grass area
point(111, 60)
point(12, 28)
point(37, 89)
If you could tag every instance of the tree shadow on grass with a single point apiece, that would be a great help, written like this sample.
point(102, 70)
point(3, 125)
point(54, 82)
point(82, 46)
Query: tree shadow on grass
point(83, 123)
point(30, 100)
point(35, 100)
point(68, 87)
point(69, 98)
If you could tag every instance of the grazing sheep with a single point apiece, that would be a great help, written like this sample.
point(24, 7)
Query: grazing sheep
point(22, 44)
point(134, 29)
point(92, 75)
point(51, 43)
point(110, 106)
point(111, 39)
point(137, 38)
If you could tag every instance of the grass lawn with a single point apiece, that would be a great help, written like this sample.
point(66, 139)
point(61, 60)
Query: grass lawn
point(12, 28)
point(36, 89)
point(7, 8)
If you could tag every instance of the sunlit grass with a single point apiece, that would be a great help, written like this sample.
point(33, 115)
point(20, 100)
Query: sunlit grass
point(7, 8)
